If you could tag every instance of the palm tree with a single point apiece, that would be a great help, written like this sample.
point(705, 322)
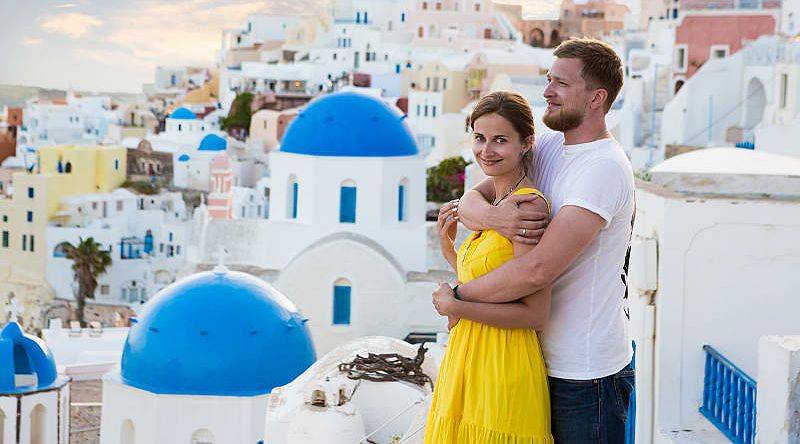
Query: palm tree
point(88, 263)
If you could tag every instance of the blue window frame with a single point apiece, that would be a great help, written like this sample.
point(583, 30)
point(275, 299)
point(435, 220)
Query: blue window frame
point(30, 192)
point(341, 305)
point(401, 203)
point(29, 216)
point(366, 17)
point(116, 164)
point(347, 205)
point(295, 189)
point(358, 16)
point(403, 17)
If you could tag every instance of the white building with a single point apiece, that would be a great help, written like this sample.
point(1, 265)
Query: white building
point(146, 236)
point(34, 399)
point(348, 210)
point(76, 120)
point(199, 364)
point(714, 262)
point(324, 405)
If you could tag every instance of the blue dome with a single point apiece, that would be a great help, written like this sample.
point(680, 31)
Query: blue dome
point(183, 158)
point(223, 334)
point(213, 142)
point(182, 113)
point(22, 354)
point(349, 125)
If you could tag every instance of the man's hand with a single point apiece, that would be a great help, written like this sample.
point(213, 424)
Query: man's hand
point(444, 300)
point(519, 225)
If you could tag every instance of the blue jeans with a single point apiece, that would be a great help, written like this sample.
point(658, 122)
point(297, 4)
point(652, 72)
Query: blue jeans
point(593, 411)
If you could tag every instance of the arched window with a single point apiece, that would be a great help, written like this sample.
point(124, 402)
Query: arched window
point(38, 420)
point(68, 167)
point(347, 202)
point(341, 302)
point(60, 250)
point(402, 200)
point(202, 436)
point(127, 433)
point(292, 190)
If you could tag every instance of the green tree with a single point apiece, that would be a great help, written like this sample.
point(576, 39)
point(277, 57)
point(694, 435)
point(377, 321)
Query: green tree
point(89, 262)
point(237, 123)
point(446, 180)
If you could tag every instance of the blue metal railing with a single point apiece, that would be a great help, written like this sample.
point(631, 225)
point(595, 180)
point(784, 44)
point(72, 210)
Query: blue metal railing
point(729, 398)
point(630, 426)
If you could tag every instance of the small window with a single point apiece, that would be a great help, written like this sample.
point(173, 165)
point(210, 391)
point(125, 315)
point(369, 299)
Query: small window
point(29, 216)
point(30, 192)
point(60, 250)
point(293, 190)
point(784, 91)
point(341, 302)
point(426, 110)
point(5, 239)
point(424, 6)
point(433, 111)
point(24, 242)
point(347, 202)
point(477, 7)
point(116, 164)
point(681, 58)
point(119, 205)
point(419, 107)
point(5, 218)
point(403, 17)
point(105, 290)
point(180, 127)
point(402, 201)
point(31, 244)
point(444, 83)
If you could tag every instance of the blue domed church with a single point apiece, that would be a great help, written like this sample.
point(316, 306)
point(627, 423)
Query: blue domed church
point(201, 360)
point(34, 399)
point(346, 238)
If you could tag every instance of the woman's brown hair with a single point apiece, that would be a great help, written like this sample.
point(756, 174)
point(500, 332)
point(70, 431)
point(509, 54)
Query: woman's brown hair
point(514, 108)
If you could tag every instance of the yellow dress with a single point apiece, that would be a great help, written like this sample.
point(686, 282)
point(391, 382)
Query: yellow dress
point(492, 385)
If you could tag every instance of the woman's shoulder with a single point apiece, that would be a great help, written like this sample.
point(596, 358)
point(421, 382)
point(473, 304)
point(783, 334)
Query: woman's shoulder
point(542, 203)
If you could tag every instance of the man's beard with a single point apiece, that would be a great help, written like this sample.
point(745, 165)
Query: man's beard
point(563, 120)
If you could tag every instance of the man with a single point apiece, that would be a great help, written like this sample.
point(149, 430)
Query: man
point(588, 179)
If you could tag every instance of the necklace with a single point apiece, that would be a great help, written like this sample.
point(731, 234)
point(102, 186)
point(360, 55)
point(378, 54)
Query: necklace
point(497, 202)
point(477, 234)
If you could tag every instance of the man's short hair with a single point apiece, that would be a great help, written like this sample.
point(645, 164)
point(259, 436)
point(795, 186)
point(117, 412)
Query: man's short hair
point(602, 67)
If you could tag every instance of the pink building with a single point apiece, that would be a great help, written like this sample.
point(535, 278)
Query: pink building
point(687, 5)
point(220, 198)
point(705, 31)
point(440, 19)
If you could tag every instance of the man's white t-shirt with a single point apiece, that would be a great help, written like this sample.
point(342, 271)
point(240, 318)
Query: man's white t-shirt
point(587, 335)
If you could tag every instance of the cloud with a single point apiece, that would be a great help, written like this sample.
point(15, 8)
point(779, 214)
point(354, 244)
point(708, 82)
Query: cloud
point(72, 24)
point(31, 41)
point(67, 6)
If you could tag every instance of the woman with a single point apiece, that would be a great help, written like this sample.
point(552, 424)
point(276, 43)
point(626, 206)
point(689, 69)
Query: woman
point(492, 385)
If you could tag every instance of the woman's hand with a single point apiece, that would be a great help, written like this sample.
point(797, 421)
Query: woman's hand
point(444, 300)
point(447, 223)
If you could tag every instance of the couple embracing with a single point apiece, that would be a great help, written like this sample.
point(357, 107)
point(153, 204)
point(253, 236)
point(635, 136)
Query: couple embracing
point(539, 350)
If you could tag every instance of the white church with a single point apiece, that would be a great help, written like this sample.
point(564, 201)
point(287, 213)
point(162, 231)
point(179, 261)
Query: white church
point(346, 239)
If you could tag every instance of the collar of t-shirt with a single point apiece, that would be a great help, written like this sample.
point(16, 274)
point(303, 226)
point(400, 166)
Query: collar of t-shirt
point(573, 150)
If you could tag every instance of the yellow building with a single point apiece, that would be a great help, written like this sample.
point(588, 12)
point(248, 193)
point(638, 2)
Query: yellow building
point(448, 77)
point(59, 172)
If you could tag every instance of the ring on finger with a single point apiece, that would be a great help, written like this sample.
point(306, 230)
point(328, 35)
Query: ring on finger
point(524, 231)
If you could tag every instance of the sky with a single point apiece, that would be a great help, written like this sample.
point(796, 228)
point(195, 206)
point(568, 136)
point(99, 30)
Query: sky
point(115, 46)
